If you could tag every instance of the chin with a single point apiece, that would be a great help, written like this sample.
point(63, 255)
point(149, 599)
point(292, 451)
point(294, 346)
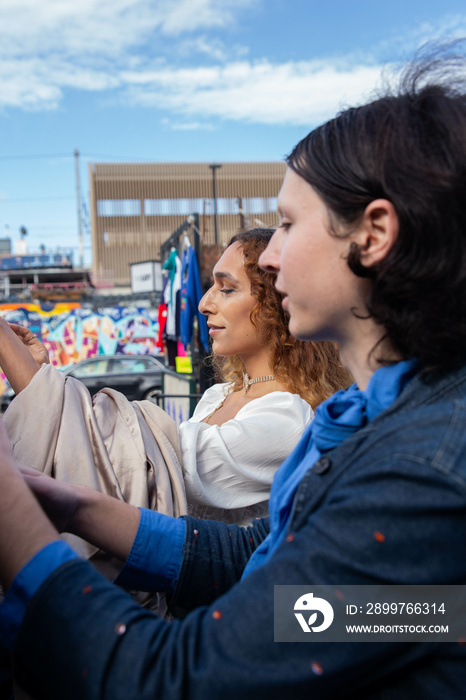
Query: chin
point(301, 332)
point(298, 331)
point(219, 353)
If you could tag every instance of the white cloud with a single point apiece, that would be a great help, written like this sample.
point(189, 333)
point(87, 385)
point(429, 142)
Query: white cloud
point(262, 92)
point(204, 45)
point(291, 93)
point(188, 126)
point(405, 43)
point(192, 15)
point(127, 48)
point(105, 27)
point(46, 47)
point(38, 83)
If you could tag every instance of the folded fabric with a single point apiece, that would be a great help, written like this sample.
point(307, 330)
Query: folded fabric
point(128, 450)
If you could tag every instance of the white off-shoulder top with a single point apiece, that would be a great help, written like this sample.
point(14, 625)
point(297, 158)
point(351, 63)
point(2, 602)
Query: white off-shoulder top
point(228, 469)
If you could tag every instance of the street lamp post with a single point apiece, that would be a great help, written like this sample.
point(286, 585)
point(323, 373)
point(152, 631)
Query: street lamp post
point(78, 199)
point(213, 167)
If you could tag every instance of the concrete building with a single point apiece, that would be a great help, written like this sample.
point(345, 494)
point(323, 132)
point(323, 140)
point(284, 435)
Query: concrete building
point(42, 277)
point(135, 207)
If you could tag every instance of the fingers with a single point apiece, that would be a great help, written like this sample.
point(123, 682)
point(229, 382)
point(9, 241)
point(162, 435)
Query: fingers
point(22, 331)
point(29, 471)
point(31, 342)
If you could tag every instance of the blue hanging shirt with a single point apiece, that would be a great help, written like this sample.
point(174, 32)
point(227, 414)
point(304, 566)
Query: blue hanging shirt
point(191, 295)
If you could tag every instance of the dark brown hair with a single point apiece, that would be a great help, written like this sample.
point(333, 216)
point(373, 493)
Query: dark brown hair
point(409, 147)
point(310, 369)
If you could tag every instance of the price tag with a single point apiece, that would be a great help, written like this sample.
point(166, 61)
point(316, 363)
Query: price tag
point(183, 365)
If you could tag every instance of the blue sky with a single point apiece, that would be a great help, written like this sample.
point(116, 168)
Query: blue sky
point(179, 80)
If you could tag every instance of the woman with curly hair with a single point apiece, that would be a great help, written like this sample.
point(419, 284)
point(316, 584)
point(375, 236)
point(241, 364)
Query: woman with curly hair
point(240, 432)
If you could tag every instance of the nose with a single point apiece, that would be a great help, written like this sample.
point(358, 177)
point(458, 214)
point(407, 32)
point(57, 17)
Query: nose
point(269, 259)
point(207, 303)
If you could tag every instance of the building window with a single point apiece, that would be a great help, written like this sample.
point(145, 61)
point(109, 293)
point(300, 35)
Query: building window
point(118, 207)
point(172, 207)
point(260, 205)
point(185, 207)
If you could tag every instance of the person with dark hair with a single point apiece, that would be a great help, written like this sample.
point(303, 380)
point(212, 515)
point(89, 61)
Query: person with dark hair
point(372, 205)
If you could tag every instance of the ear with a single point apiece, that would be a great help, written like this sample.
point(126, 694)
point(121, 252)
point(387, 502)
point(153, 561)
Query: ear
point(377, 232)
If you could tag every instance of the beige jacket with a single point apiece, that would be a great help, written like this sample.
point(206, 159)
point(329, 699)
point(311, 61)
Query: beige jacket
point(130, 450)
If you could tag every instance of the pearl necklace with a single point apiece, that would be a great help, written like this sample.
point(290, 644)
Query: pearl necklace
point(247, 382)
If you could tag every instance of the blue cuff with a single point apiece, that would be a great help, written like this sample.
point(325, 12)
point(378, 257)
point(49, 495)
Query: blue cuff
point(26, 583)
point(156, 556)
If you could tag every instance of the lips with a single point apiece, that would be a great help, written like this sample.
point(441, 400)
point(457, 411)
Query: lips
point(214, 329)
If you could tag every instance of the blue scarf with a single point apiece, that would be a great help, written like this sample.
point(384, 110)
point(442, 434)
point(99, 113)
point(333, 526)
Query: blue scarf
point(336, 419)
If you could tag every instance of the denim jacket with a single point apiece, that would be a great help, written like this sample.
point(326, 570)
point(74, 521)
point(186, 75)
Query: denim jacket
point(388, 505)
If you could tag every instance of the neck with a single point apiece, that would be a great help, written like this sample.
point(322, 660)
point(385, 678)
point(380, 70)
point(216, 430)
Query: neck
point(257, 366)
point(361, 358)
point(248, 382)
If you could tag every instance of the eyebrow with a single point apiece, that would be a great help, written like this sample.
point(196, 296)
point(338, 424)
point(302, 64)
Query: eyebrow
point(226, 275)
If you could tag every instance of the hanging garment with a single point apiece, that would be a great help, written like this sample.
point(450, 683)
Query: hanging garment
point(191, 294)
point(162, 319)
point(171, 295)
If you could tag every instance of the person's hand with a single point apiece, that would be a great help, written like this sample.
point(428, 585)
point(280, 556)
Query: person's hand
point(58, 499)
point(34, 345)
point(24, 528)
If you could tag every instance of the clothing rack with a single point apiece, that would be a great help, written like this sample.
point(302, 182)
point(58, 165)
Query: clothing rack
point(202, 374)
point(189, 228)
